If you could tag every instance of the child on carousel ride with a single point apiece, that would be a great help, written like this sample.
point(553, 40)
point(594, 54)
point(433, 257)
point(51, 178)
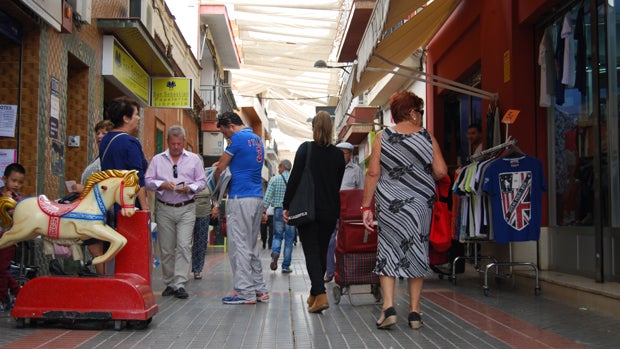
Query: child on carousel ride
point(13, 179)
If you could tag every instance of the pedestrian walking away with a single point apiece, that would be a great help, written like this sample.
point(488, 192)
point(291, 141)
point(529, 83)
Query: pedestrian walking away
point(282, 232)
point(403, 203)
point(176, 176)
point(327, 167)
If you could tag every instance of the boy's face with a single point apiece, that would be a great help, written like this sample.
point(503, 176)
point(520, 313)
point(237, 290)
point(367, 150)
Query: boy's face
point(14, 182)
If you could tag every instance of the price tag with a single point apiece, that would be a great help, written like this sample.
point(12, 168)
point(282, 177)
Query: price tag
point(510, 116)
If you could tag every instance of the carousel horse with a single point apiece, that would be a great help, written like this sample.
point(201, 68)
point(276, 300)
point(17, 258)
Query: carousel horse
point(80, 220)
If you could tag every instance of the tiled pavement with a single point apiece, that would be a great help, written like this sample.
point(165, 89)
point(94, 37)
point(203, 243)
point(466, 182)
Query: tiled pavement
point(455, 316)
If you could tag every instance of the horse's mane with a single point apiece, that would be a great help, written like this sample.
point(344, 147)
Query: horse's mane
point(131, 179)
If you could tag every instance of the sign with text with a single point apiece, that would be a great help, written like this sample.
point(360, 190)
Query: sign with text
point(54, 107)
point(8, 118)
point(510, 116)
point(121, 68)
point(172, 93)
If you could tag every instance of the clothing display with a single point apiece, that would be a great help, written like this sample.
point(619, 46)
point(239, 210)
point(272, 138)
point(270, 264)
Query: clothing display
point(500, 196)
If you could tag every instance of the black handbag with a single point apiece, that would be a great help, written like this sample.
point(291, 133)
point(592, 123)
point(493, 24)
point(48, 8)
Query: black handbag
point(301, 210)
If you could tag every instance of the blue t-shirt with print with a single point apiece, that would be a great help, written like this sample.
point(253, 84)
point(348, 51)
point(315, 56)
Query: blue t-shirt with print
point(247, 152)
point(515, 186)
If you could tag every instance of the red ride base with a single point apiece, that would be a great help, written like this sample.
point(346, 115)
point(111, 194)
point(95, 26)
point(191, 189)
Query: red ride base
point(126, 296)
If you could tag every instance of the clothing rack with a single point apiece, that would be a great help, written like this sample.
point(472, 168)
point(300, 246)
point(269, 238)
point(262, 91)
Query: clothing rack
point(509, 142)
point(494, 264)
point(510, 263)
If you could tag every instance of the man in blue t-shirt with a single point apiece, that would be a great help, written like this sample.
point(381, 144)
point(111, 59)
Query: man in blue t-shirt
point(244, 207)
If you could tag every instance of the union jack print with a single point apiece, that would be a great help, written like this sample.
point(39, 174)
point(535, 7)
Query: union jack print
point(515, 189)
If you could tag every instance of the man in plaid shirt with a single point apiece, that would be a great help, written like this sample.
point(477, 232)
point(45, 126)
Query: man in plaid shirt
point(281, 231)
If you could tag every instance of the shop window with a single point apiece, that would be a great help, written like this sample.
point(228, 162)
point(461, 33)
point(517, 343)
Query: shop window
point(573, 105)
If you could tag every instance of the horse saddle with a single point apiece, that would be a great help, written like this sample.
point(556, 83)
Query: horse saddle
point(55, 209)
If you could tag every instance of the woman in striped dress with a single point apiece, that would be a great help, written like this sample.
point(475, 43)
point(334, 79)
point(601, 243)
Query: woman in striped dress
point(404, 163)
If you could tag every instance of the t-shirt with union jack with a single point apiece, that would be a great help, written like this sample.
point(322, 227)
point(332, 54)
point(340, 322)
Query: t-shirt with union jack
point(515, 186)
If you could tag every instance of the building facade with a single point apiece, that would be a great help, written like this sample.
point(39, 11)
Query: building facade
point(537, 58)
point(62, 61)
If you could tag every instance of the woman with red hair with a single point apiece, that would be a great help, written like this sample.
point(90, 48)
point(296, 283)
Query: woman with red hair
point(404, 164)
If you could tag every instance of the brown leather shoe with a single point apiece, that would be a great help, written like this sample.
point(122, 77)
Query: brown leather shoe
point(274, 261)
point(310, 299)
point(320, 303)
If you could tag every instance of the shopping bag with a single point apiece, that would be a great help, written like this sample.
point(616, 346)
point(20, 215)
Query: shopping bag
point(440, 234)
point(301, 209)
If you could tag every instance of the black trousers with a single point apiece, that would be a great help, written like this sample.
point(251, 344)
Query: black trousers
point(314, 239)
point(266, 232)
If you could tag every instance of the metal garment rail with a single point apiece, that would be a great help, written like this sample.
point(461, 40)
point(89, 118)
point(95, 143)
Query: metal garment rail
point(495, 264)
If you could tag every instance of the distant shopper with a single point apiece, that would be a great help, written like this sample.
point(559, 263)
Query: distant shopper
point(201, 232)
point(404, 164)
point(327, 166)
point(282, 232)
point(266, 228)
point(353, 179)
point(175, 175)
point(474, 136)
point(244, 208)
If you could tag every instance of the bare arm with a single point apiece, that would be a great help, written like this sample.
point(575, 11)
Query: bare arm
point(440, 169)
point(221, 166)
point(142, 199)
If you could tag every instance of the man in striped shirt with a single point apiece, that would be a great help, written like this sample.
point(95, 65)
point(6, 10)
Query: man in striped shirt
point(281, 231)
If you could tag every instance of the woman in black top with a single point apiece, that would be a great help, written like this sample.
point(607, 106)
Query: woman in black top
point(327, 166)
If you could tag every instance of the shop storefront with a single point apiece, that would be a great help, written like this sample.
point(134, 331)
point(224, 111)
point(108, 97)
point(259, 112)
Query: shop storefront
point(582, 120)
point(551, 61)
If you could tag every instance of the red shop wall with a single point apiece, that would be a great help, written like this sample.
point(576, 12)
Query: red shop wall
point(479, 35)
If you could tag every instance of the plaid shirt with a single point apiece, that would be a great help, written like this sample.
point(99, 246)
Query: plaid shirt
point(275, 190)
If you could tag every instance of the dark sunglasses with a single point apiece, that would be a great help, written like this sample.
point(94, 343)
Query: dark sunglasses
point(174, 171)
point(421, 111)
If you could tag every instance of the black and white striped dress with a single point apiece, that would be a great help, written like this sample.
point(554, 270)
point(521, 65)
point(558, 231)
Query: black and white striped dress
point(404, 197)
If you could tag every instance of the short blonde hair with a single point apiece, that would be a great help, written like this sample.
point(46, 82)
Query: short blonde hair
point(322, 128)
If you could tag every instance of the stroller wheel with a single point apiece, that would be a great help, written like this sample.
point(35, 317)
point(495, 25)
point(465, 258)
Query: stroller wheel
point(337, 294)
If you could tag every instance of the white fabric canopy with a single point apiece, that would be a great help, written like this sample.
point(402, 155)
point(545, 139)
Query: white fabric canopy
point(279, 41)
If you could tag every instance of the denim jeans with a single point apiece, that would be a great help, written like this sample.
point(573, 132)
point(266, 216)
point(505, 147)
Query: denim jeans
point(281, 232)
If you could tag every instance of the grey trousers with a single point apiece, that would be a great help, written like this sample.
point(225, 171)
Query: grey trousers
point(175, 231)
point(243, 217)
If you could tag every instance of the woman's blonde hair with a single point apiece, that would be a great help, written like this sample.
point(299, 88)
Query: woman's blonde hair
point(322, 128)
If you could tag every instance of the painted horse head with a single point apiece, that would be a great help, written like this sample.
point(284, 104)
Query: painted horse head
point(123, 193)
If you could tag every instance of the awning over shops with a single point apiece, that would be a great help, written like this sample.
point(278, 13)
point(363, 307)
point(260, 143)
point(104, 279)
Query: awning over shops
point(136, 39)
point(403, 41)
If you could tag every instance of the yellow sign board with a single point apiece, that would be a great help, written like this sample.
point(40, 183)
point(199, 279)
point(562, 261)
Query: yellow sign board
point(172, 93)
point(506, 66)
point(129, 73)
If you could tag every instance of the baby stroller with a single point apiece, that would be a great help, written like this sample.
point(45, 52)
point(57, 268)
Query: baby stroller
point(356, 249)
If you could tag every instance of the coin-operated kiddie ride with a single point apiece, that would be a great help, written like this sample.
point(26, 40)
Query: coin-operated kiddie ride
point(126, 297)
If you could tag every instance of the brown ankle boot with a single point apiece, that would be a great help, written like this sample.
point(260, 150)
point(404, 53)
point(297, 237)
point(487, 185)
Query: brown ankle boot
point(320, 303)
point(310, 299)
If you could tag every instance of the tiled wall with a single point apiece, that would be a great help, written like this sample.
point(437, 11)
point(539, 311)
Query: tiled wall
point(75, 61)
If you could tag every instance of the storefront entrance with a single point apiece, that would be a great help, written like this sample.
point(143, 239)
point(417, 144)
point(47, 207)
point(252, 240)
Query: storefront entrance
point(582, 117)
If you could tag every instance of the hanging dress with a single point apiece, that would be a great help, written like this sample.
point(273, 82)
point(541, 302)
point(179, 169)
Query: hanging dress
point(404, 203)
